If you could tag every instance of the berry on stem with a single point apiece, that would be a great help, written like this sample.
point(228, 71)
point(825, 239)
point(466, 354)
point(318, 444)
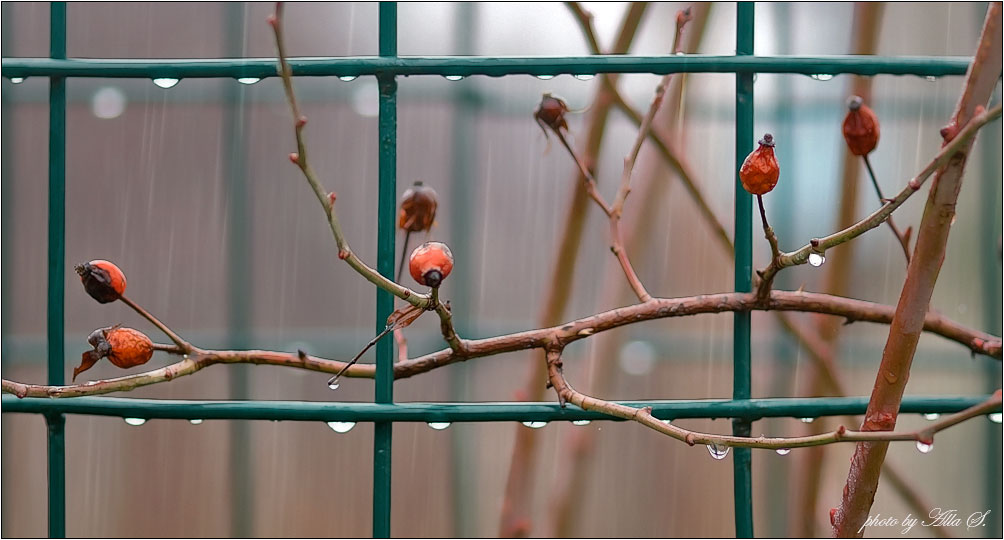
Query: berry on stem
point(102, 280)
point(431, 263)
point(760, 171)
point(124, 347)
point(861, 127)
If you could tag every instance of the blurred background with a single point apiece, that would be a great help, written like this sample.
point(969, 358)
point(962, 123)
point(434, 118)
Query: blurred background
point(189, 191)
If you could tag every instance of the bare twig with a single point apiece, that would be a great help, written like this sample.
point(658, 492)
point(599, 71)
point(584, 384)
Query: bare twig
point(820, 245)
point(181, 343)
point(326, 199)
point(922, 274)
point(566, 394)
point(903, 238)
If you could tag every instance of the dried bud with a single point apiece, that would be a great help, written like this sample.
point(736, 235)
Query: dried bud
point(760, 171)
point(102, 280)
point(418, 208)
point(301, 121)
point(861, 127)
point(294, 157)
point(331, 199)
point(683, 17)
point(431, 263)
point(124, 347)
point(551, 113)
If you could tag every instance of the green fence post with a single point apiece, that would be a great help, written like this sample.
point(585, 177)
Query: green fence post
point(387, 120)
point(742, 458)
point(57, 265)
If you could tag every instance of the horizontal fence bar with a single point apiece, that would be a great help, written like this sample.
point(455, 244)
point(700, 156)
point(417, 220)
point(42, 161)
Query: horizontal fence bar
point(933, 66)
point(752, 409)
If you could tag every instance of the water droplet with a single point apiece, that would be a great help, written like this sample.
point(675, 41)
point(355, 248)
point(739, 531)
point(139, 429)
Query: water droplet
point(667, 421)
point(815, 259)
point(581, 422)
point(248, 80)
point(108, 102)
point(807, 420)
point(932, 416)
point(535, 425)
point(16, 80)
point(545, 77)
point(135, 421)
point(439, 426)
point(930, 78)
point(783, 451)
point(341, 427)
point(348, 78)
point(195, 421)
point(584, 76)
point(954, 217)
point(718, 452)
point(821, 76)
point(166, 82)
point(995, 417)
point(680, 53)
point(333, 385)
point(924, 447)
point(755, 77)
point(454, 77)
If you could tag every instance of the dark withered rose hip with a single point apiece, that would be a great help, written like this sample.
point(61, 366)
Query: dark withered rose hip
point(102, 280)
point(551, 112)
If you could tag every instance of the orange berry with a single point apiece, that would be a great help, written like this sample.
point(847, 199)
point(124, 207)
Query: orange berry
point(551, 112)
point(430, 263)
point(102, 280)
point(418, 208)
point(861, 127)
point(124, 347)
point(759, 172)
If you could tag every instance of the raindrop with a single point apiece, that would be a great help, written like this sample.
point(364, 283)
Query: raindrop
point(817, 260)
point(718, 452)
point(195, 421)
point(341, 427)
point(924, 447)
point(667, 421)
point(17, 80)
point(108, 102)
point(783, 451)
point(135, 421)
point(454, 77)
point(166, 82)
point(581, 422)
point(930, 78)
point(535, 425)
point(995, 417)
point(333, 385)
point(348, 78)
point(248, 80)
point(931, 416)
point(439, 426)
point(807, 420)
point(545, 77)
point(584, 76)
point(680, 53)
point(821, 76)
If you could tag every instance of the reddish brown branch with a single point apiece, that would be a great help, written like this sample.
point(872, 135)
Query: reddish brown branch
point(922, 274)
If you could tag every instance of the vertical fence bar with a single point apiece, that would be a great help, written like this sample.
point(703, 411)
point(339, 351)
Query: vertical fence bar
point(57, 264)
point(742, 458)
point(387, 121)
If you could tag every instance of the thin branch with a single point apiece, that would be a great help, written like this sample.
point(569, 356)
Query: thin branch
point(820, 245)
point(567, 394)
point(657, 308)
point(903, 238)
point(326, 199)
point(181, 343)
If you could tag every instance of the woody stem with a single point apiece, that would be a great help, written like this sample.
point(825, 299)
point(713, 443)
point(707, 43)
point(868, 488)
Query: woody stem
point(181, 343)
point(904, 241)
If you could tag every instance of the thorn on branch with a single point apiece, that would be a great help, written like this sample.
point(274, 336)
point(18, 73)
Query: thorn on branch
point(302, 355)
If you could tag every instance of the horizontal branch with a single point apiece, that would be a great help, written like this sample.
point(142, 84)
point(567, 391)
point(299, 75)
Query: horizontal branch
point(659, 308)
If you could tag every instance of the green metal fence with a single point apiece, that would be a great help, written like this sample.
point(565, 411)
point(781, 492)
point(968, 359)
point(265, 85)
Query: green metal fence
point(383, 412)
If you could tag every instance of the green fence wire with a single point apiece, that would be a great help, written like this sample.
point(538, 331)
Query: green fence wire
point(387, 67)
